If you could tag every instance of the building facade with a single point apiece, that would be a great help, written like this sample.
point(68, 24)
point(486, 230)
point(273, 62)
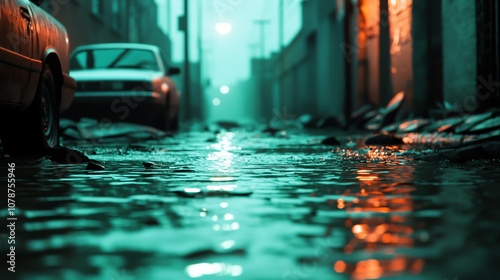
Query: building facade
point(106, 21)
point(353, 52)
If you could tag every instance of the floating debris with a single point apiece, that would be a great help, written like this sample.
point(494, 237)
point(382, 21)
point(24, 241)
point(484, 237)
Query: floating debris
point(185, 169)
point(148, 164)
point(94, 165)
point(484, 149)
point(384, 139)
point(67, 156)
point(330, 141)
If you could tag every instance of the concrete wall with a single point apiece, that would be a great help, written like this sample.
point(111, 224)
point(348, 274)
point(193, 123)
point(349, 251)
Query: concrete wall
point(427, 55)
point(459, 55)
point(331, 67)
point(312, 79)
point(426, 48)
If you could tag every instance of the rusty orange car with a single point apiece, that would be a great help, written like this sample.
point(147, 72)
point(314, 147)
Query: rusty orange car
point(35, 86)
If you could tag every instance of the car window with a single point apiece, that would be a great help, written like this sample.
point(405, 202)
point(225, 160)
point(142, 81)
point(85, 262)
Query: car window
point(114, 58)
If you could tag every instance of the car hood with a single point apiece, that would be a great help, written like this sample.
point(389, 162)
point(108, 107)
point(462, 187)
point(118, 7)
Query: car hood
point(114, 74)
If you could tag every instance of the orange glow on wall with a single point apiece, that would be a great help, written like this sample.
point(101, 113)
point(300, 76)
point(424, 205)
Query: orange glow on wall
point(400, 23)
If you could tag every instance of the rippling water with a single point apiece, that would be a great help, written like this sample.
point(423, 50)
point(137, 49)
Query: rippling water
point(245, 205)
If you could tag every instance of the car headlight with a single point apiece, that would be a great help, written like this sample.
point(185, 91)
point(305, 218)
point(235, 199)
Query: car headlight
point(164, 87)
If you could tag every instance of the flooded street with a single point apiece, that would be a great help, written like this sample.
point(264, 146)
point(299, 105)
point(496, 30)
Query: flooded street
point(243, 204)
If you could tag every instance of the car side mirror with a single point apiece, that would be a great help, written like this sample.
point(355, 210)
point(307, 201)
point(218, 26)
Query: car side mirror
point(37, 2)
point(173, 71)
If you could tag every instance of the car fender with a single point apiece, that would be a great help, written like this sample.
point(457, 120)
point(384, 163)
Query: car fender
point(65, 83)
point(54, 51)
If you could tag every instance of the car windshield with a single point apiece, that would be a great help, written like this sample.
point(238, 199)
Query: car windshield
point(114, 58)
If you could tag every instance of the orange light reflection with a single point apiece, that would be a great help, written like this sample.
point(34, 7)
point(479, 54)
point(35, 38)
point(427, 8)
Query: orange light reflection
point(388, 230)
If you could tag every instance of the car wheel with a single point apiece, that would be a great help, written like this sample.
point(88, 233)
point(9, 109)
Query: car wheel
point(38, 127)
point(174, 123)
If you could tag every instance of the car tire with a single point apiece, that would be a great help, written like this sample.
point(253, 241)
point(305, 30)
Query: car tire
point(38, 127)
point(161, 121)
point(174, 123)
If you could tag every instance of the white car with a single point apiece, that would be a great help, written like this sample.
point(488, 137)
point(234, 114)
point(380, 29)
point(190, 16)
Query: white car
point(124, 82)
point(34, 82)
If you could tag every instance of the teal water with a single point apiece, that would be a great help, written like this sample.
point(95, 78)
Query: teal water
point(246, 205)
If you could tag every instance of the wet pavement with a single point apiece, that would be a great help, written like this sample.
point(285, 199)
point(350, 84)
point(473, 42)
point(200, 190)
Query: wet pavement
point(243, 204)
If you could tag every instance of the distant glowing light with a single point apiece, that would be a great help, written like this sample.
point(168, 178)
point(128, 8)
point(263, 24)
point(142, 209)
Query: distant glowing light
point(220, 269)
point(228, 244)
point(223, 28)
point(192, 190)
point(216, 101)
point(235, 226)
point(224, 89)
point(340, 266)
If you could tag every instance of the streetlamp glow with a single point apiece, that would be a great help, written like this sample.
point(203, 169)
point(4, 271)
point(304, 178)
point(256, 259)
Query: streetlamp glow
point(223, 28)
point(224, 89)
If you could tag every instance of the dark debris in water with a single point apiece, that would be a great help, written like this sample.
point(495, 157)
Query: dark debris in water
point(95, 165)
point(218, 192)
point(67, 156)
point(228, 125)
point(484, 149)
point(185, 169)
point(384, 139)
point(211, 140)
point(271, 130)
point(330, 141)
point(210, 252)
point(151, 221)
point(148, 164)
point(142, 148)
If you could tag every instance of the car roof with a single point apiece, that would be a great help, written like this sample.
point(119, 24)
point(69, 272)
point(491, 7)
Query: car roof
point(118, 45)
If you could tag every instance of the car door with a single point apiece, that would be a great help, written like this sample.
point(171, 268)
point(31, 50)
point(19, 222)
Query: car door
point(16, 65)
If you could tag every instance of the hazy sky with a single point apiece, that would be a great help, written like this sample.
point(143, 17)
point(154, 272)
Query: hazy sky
point(226, 58)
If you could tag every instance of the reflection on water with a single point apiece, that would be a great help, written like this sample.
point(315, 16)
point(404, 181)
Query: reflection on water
point(383, 228)
point(213, 269)
point(251, 206)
